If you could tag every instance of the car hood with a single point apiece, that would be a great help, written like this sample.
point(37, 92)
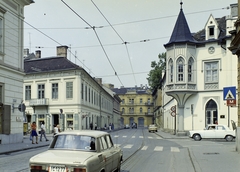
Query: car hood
point(62, 157)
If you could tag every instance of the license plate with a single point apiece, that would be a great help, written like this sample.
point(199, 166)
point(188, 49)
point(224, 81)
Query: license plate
point(57, 168)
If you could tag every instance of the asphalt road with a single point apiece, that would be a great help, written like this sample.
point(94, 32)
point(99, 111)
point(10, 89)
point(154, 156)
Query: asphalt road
point(144, 152)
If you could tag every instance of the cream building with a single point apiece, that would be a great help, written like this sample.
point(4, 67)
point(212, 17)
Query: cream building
point(59, 92)
point(199, 70)
point(136, 105)
point(11, 70)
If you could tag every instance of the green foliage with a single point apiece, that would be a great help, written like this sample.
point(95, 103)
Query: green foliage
point(155, 75)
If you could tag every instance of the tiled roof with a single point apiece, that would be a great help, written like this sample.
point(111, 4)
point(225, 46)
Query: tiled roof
point(200, 35)
point(48, 64)
point(181, 32)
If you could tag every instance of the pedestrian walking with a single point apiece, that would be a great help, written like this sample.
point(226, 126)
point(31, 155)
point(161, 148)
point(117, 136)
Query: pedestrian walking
point(43, 131)
point(34, 132)
point(95, 126)
point(55, 130)
point(91, 126)
point(110, 126)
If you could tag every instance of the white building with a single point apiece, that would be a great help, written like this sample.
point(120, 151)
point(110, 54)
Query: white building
point(198, 68)
point(57, 91)
point(11, 70)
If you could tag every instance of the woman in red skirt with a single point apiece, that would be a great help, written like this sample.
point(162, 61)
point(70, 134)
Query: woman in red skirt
point(34, 132)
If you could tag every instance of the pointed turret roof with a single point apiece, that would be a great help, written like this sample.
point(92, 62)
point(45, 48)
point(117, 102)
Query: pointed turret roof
point(181, 32)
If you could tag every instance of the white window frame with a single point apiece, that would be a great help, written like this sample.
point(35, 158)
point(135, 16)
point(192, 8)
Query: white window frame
point(190, 70)
point(69, 90)
point(54, 90)
point(211, 72)
point(41, 91)
point(27, 92)
point(170, 64)
point(180, 69)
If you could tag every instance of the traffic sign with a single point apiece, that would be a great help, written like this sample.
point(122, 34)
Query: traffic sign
point(229, 93)
point(231, 102)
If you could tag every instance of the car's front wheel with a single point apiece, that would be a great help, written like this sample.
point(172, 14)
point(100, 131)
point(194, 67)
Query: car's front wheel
point(197, 137)
point(229, 138)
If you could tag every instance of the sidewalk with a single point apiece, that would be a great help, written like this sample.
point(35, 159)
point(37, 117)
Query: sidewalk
point(26, 144)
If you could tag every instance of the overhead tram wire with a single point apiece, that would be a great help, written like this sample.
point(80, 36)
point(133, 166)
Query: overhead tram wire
point(93, 27)
point(124, 42)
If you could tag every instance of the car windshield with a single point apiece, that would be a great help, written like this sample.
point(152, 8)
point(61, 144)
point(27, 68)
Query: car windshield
point(74, 142)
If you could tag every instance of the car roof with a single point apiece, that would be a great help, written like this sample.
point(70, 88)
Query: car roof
point(92, 133)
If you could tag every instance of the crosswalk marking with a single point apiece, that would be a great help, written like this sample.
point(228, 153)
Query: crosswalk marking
point(124, 136)
point(116, 136)
point(175, 149)
point(141, 137)
point(150, 137)
point(158, 148)
point(128, 146)
point(144, 148)
point(133, 136)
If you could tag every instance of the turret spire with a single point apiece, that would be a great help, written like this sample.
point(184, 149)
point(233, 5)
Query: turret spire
point(181, 3)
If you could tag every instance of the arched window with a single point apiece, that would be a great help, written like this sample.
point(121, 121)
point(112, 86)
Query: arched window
point(180, 69)
point(211, 112)
point(190, 70)
point(170, 65)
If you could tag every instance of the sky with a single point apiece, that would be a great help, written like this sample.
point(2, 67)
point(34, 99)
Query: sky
point(127, 36)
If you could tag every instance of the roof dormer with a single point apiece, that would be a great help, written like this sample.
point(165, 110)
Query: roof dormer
point(211, 28)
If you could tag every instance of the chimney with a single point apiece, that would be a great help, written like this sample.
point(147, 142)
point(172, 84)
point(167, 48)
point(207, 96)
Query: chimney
point(234, 10)
point(62, 51)
point(25, 52)
point(99, 80)
point(38, 54)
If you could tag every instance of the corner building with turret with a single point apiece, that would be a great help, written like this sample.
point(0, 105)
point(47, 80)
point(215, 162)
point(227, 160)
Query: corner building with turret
point(199, 67)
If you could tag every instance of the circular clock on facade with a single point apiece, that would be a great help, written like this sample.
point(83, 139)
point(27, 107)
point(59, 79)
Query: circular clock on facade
point(211, 50)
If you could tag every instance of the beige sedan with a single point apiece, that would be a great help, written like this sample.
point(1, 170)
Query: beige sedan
point(85, 151)
point(152, 128)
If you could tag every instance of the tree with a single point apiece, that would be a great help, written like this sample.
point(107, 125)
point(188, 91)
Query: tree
point(155, 75)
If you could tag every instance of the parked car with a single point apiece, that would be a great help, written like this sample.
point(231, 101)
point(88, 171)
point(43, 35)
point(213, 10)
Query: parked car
point(213, 131)
point(83, 150)
point(152, 128)
point(126, 126)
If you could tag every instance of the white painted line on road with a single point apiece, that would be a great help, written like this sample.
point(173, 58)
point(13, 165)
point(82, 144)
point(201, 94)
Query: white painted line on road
point(133, 136)
point(150, 137)
point(175, 149)
point(128, 146)
point(117, 144)
point(115, 136)
point(159, 138)
point(144, 148)
point(124, 136)
point(140, 137)
point(158, 148)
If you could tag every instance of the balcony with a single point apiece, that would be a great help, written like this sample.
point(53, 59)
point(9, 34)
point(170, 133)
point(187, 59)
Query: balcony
point(38, 102)
point(149, 104)
point(149, 113)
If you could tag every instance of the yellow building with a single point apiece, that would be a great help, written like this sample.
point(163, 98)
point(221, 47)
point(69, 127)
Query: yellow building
point(136, 105)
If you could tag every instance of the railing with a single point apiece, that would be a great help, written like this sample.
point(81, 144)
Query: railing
point(148, 113)
point(38, 102)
